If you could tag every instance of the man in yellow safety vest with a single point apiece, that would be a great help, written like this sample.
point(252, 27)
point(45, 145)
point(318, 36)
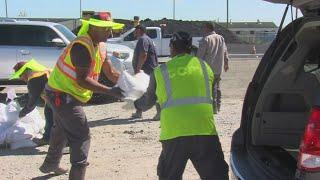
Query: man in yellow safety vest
point(71, 84)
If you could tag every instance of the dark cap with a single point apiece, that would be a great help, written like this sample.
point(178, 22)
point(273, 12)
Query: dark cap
point(19, 66)
point(181, 40)
point(141, 27)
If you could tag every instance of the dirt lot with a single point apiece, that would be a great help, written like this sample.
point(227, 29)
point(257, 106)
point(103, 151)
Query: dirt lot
point(124, 148)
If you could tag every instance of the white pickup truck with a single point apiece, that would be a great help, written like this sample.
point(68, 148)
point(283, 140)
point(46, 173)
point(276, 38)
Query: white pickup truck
point(160, 40)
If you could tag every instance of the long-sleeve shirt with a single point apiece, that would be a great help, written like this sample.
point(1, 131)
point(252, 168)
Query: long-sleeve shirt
point(35, 87)
point(213, 50)
point(149, 98)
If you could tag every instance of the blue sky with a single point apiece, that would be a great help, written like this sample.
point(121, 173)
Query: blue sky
point(240, 10)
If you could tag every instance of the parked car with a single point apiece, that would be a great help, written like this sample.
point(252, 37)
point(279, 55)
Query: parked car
point(279, 135)
point(23, 40)
point(161, 41)
point(44, 41)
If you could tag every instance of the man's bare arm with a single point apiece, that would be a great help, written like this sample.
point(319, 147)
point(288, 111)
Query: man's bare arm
point(109, 71)
point(142, 60)
point(81, 59)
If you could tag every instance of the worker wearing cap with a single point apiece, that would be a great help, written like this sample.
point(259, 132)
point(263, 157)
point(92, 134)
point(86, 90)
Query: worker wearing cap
point(36, 77)
point(182, 87)
point(71, 84)
point(144, 59)
point(111, 73)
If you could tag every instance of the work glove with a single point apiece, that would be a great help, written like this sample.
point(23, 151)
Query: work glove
point(116, 92)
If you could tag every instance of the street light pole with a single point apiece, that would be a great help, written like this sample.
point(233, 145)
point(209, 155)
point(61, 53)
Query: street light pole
point(5, 1)
point(174, 9)
point(227, 14)
point(80, 9)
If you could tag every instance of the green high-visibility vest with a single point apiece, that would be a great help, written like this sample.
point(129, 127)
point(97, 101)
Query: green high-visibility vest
point(185, 95)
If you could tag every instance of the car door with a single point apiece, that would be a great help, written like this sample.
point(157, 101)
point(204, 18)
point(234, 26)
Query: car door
point(37, 42)
point(7, 51)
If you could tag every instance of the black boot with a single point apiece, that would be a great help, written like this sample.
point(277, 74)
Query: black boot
point(77, 172)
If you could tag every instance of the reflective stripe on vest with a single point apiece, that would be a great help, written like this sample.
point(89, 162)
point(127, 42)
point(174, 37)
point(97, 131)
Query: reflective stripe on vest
point(67, 70)
point(189, 100)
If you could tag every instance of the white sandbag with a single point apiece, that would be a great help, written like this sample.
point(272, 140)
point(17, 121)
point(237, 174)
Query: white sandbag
point(16, 131)
point(9, 115)
point(133, 86)
point(20, 131)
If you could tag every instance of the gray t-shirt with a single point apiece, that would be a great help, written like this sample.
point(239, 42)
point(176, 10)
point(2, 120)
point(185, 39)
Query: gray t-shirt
point(145, 45)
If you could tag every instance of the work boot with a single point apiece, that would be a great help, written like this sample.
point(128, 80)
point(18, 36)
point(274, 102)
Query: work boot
point(156, 117)
point(77, 173)
point(137, 114)
point(50, 168)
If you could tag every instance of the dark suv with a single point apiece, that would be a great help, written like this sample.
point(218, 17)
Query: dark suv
point(279, 135)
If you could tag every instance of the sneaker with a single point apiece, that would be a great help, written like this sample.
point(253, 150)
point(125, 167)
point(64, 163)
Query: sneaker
point(47, 168)
point(137, 115)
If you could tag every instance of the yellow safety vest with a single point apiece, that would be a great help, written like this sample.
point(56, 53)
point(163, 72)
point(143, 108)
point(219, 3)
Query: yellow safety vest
point(63, 77)
point(185, 95)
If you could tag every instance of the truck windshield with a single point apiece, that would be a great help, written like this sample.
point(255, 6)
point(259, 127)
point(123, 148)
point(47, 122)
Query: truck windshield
point(66, 32)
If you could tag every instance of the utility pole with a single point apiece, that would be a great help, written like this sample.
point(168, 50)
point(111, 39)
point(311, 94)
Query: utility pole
point(227, 14)
point(80, 9)
point(174, 9)
point(5, 1)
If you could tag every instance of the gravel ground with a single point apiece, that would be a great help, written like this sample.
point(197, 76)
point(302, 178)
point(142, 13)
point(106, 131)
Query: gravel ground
point(124, 148)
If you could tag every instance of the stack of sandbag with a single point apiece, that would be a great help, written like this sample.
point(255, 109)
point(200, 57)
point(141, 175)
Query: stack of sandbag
point(133, 86)
point(19, 132)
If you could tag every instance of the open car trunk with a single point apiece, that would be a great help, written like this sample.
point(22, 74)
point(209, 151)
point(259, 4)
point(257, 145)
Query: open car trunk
point(292, 88)
point(301, 4)
point(289, 92)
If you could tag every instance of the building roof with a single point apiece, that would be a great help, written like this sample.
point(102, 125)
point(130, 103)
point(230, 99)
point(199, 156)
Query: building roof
point(257, 24)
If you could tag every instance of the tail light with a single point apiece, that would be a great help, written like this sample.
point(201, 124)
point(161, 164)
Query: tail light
point(309, 156)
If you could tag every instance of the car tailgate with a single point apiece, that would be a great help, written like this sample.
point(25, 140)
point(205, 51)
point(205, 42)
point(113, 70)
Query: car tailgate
point(301, 4)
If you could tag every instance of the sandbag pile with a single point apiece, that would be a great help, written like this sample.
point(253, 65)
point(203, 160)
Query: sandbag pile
point(19, 132)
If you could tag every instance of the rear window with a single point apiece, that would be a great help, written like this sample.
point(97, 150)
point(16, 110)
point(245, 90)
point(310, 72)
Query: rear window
point(152, 33)
point(66, 32)
point(26, 35)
